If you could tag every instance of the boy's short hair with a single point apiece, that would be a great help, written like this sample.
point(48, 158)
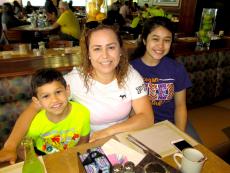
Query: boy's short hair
point(45, 76)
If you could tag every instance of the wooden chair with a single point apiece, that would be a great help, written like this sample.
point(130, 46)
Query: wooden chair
point(11, 36)
point(4, 39)
point(14, 36)
point(60, 43)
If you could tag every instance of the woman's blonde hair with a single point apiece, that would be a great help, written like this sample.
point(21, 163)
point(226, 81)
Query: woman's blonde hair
point(86, 66)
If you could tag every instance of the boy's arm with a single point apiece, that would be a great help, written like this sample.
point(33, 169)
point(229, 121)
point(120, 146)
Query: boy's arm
point(8, 152)
point(8, 155)
point(83, 140)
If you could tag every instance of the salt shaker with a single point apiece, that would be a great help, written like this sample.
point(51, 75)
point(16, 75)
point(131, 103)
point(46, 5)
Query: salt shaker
point(118, 168)
point(129, 167)
point(42, 47)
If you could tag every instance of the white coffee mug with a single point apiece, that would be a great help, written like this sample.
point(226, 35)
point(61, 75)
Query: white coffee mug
point(192, 160)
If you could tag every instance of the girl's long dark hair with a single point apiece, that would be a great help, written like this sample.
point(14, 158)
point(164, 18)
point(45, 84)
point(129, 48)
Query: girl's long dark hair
point(149, 25)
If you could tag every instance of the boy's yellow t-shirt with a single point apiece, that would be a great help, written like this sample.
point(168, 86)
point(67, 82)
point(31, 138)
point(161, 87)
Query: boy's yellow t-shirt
point(51, 137)
point(69, 24)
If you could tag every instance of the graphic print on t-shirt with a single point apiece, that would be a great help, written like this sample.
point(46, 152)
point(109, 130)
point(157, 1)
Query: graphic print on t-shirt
point(141, 89)
point(54, 141)
point(159, 90)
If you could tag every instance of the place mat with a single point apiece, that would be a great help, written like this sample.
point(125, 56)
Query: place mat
point(17, 168)
point(158, 138)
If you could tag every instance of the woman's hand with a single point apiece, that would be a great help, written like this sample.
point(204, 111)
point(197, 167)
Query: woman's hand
point(99, 135)
point(8, 155)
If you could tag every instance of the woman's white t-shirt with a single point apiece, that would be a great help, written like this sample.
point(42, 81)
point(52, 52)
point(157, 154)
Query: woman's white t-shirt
point(108, 104)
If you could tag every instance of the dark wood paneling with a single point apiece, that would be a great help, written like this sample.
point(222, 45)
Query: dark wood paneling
point(186, 13)
point(187, 16)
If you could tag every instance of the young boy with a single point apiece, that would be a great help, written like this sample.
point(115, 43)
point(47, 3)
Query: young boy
point(60, 124)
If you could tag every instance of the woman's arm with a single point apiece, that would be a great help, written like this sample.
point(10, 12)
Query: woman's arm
point(180, 114)
point(83, 140)
point(8, 153)
point(142, 118)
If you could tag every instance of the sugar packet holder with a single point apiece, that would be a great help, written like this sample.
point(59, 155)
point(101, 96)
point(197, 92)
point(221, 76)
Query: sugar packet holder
point(95, 161)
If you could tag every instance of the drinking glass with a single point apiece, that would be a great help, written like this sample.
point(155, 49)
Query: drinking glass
point(207, 25)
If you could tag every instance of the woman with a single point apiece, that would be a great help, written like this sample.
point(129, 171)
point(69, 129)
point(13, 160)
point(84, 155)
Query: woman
point(50, 7)
point(106, 84)
point(8, 18)
point(166, 79)
point(29, 8)
point(51, 11)
point(18, 10)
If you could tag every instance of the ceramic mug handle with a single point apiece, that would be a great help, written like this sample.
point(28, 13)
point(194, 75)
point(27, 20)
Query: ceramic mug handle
point(175, 159)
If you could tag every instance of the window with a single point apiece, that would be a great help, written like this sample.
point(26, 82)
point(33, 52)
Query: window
point(3, 1)
point(34, 2)
point(78, 2)
point(166, 2)
point(42, 2)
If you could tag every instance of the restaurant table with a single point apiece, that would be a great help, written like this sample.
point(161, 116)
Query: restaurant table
point(34, 34)
point(67, 161)
point(33, 29)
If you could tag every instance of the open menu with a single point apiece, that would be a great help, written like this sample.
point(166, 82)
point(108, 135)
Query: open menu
point(158, 138)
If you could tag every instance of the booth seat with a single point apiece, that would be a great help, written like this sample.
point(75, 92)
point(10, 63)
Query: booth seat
point(15, 95)
point(208, 99)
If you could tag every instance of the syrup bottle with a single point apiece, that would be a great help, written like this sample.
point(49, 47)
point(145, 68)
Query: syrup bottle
point(31, 164)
